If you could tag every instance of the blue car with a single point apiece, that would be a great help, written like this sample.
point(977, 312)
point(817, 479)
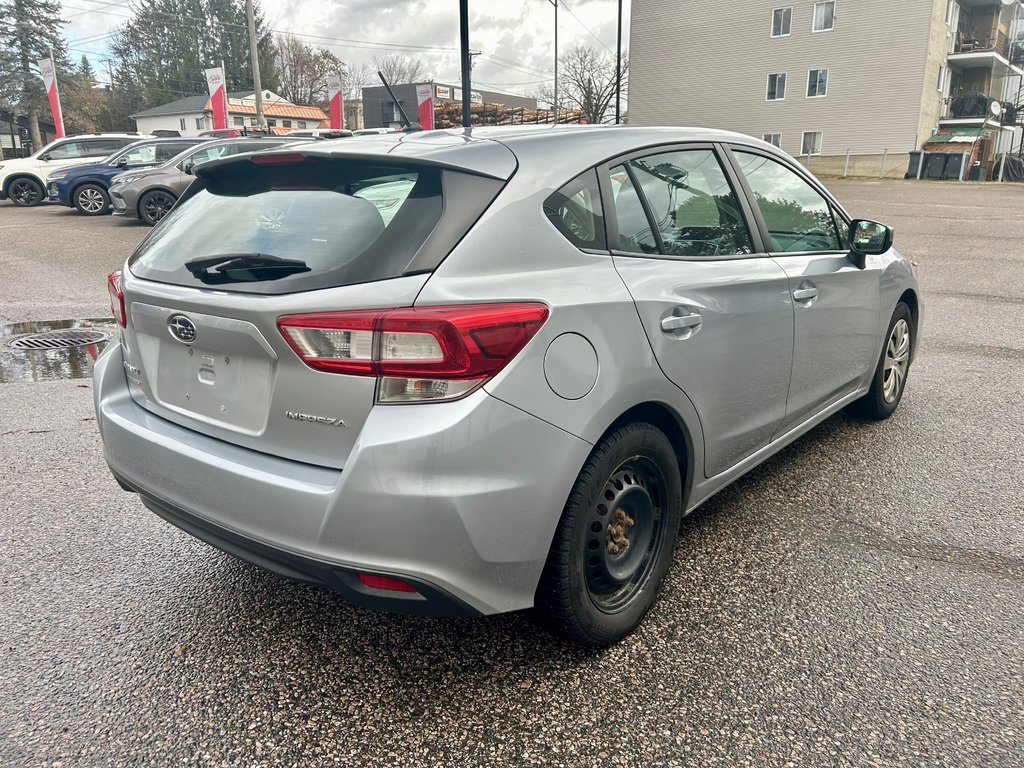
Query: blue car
point(85, 187)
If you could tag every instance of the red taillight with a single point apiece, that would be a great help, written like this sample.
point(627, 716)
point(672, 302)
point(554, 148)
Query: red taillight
point(116, 298)
point(278, 159)
point(420, 353)
point(373, 581)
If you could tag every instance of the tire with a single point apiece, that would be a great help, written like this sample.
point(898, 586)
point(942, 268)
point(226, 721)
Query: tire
point(615, 539)
point(890, 378)
point(25, 191)
point(91, 200)
point(154, 205)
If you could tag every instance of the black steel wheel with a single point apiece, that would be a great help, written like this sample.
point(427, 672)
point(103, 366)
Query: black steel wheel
point(91, 200)
point(25, 192)
point(614, 542)
point(154, 205)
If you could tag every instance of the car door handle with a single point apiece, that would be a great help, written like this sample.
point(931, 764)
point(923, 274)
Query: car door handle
point(678, 323)
point(805, 294)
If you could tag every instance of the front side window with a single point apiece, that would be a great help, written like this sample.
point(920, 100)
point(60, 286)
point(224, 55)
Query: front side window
point(693, 207)
point(797, 216)
point(824, 16)
point(207, 153)
point(576, 212)
point(68, 151)
point(811, 144)
point(776, 87)
point(782, 22)
point(775, 139)
point(817, 83)
point(140, 155)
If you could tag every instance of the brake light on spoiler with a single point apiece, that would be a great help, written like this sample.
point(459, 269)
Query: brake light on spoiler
point(417, 354)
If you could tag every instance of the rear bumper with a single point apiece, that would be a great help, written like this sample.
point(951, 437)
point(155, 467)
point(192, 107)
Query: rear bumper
point(460, 499)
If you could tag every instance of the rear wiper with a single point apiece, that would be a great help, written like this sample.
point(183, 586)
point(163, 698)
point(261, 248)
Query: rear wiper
point(243, 268)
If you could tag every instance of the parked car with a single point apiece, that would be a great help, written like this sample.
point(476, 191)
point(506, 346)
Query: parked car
point(24, 180)
point(149, 194)
point(233, 133)
point(84, 187)
point(509, 393)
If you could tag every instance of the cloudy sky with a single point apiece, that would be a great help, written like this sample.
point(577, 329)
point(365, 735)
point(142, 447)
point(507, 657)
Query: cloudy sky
point(515, 37)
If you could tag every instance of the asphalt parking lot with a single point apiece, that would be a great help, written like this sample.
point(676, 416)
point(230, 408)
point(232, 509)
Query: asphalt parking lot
point(856, 601)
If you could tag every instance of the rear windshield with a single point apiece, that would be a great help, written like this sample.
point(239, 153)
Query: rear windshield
point(300, 226)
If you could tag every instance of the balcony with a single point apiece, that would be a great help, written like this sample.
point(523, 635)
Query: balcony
point(977, 108)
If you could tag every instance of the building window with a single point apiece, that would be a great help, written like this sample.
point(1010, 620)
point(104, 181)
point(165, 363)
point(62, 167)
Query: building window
point(181, 122)
point(286, 123)
point(238, 120)
point(302, 123)
point(271, 123)
point(941, 85)
point(776, 87)
point(817, 83)
point(200, 123)
point(824, 16)
point(811, 144)
point(950, 10)
point(253, 122)
point(782, 22)
point(775, 139)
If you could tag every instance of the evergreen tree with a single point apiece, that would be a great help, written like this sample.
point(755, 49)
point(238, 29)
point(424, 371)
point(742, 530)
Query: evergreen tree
point(30, 30)
point(86, 72)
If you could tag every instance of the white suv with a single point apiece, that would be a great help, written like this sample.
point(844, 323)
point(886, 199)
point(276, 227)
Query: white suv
point(24, 180)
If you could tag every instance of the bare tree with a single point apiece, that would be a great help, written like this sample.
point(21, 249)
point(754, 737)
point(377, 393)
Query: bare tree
point(586, 81)
point(400, 69)
point(303, 70)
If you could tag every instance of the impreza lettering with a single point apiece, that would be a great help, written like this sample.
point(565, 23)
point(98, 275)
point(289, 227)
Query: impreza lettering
point(313, 419)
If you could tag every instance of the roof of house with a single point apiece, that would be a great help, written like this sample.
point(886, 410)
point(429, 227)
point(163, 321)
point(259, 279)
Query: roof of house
point(199, 103)
point(202, 104)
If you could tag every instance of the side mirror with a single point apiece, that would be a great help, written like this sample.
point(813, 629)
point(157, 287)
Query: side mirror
point(187, 167)
point(868, 238)
point(122, 162)
point(46, 157)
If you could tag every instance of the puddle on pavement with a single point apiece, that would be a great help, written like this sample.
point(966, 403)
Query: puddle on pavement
point(51, 364)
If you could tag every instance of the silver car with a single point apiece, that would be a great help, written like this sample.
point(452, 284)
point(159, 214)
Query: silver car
point(504, 390)
point(149, 194)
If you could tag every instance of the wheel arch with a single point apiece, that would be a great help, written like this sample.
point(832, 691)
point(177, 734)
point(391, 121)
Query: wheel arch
point(149, 191)
point(672, 424)
point(22, 175)
point(910, 298)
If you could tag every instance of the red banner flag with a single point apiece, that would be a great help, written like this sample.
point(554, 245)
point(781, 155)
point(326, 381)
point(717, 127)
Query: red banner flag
point(334, 98)
point(425, 102)
point(218, 97)
point(49, 75)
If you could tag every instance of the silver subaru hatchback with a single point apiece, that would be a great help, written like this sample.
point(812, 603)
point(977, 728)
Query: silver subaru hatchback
point(457, 374)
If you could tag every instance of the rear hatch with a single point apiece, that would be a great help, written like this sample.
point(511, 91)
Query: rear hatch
point(265, 236)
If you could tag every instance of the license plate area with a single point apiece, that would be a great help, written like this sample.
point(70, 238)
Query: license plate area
point(224, 378)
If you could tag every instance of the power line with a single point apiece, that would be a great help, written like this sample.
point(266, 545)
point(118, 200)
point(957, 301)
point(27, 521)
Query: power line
point(588, 30)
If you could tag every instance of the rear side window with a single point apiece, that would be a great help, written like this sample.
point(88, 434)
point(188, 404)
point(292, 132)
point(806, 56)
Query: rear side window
point(576, 212)
point(306, 225)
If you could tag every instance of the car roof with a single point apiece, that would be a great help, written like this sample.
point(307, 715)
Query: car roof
point(498, 151)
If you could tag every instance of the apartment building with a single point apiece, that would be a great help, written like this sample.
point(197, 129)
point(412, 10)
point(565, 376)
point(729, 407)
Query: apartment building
point(842, 83)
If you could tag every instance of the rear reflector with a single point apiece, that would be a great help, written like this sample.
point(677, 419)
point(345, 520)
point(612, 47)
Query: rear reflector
point(116, 298)
point(419, 353)
point(278, 159)
point(373, 581)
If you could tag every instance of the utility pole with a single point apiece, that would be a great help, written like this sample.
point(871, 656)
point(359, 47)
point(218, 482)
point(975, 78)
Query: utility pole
point(555, 3)
point(467, 61)
point(255, 59)
point(618, 68)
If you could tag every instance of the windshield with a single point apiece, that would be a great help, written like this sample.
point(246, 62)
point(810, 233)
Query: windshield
point(293, 227)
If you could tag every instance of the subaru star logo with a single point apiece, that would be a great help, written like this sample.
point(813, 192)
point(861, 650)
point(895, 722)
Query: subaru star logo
point(181, 328)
